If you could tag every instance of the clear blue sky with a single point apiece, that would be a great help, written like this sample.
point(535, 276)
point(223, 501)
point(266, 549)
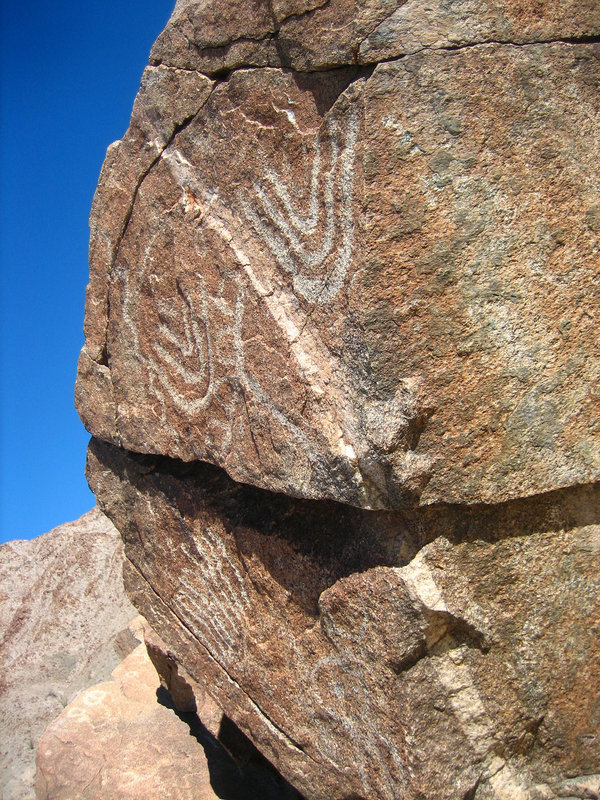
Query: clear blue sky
point(69, 73)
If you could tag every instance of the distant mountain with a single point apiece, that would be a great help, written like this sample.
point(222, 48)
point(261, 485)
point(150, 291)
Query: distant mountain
point(63, 626)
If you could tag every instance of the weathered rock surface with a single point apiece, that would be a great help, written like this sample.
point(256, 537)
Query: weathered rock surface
point(63, 625)
point(436, 653)
point(116, 740)
point(369, 283)
point(348, 252)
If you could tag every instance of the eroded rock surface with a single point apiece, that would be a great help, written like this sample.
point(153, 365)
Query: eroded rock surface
point(122, 739)
point(319, 34)
point(369, 283)
point(361, 665)
point(64, 623)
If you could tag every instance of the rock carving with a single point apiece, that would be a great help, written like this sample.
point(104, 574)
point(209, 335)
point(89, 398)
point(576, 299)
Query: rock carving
point(328, 207)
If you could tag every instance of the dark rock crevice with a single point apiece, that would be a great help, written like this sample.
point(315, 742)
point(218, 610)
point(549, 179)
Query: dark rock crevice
point(326, 528)
point(238, 771)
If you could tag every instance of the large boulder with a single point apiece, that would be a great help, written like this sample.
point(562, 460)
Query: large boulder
point(341, 368)
point(369, 283)
point(64, 625)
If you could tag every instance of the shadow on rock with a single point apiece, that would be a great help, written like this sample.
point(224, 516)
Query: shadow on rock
point(238, 771)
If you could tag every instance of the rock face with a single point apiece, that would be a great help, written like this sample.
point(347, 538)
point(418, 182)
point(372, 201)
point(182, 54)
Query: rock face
point(366, 283)
point(63, 625)
point(322, 34)
point(347, 252)
point(363, 660)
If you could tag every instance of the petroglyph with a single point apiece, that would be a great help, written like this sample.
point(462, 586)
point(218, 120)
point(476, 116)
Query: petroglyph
point(214, 577)
point(196, 360)
point(214, 324)
point(199, 334)
point(293, 235)
point(195, 344)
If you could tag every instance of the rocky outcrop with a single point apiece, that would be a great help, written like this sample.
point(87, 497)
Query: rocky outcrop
point(63, 625)
point(341, 367)
point(122, 739)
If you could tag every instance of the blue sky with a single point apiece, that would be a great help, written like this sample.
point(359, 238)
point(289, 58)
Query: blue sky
point(69, 73)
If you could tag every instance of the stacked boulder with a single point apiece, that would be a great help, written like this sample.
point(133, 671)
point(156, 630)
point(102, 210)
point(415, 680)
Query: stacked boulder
point(341, 372)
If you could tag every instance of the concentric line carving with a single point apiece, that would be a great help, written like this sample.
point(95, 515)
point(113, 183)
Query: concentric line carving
point(303, 239)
